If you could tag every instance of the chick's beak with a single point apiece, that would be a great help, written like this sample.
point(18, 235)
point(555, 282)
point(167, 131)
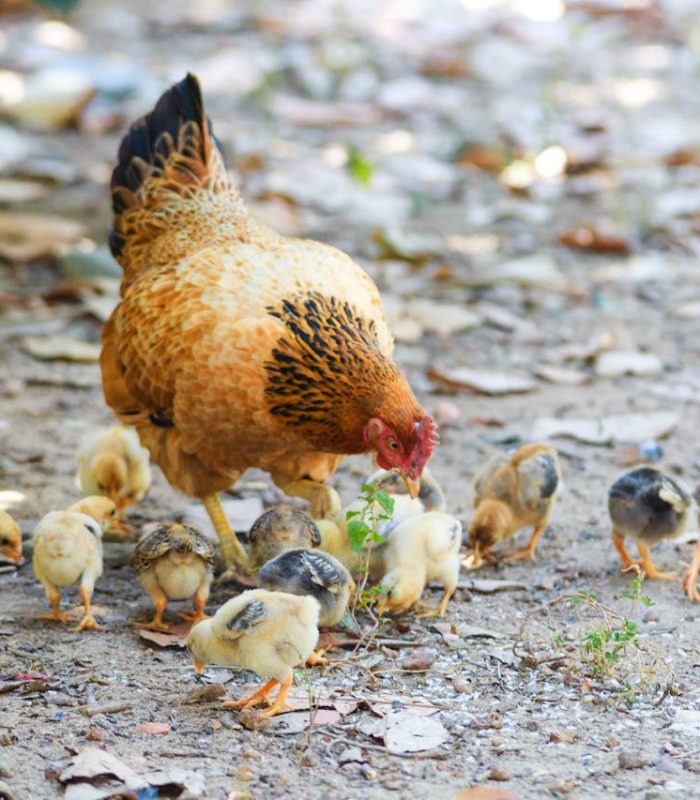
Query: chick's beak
point(199, 666)
point(412, 484)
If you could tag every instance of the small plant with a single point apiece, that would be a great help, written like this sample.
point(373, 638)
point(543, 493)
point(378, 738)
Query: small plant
point(358, 166)
point(363, 532)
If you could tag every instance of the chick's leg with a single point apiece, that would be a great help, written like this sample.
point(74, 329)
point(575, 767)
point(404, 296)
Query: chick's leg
point(56, 614)
point(280, 703)
point(160, 601)
point(529, 551)
point(260, 695)
point(231, 548)
point(619, 543)
point(428, 611)
point(651, 571)
point(200, 600)
point(88, 622)
point(690, 579)
point(324, 500)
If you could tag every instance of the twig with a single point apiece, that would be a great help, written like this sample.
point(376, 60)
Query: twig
point(439, 755)
point(109, 708)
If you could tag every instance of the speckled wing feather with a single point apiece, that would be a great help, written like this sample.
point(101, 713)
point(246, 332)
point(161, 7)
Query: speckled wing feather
point(202, 546)
point(152, 546)
point(539, 479)
point(251, 614)
point(300, 571)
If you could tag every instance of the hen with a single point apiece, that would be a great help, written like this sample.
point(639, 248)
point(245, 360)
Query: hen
point(235, 347)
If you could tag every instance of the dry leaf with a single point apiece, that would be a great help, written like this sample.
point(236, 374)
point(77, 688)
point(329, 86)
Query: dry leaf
point(61, 348)
point(384, 704)
point(474, 631)
point(564, 376)
point(615, 363)
point(24, 237)
point(407, 732)
point(443, 318)
point(621, 428)
point(420, 661)
point(687, 721)
point(484, 793)
point(177, 637)
point(15, 191)
point(153, 728)
point(487, 586)
point(484, 381)
point(205, 694)
point(589, 238)
point(484, 157)
point(94, 763)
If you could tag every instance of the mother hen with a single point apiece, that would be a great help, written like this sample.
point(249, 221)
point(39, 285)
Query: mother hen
point(235, 347)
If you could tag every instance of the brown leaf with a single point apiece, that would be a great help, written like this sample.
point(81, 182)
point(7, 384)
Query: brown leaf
point(590, 239)
point(153, 728)
point(563, 735)
point(420, 661)
point(24, 237)
point(205, 694)
point(176, 638)
point(485, 158)
point(61, 348)
point(407, 732)
point(484, 793)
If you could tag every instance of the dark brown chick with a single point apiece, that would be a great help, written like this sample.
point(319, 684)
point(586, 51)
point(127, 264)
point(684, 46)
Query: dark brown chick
point(175, 562)
point(279, 529)
point(513, 491)
point(648, 506)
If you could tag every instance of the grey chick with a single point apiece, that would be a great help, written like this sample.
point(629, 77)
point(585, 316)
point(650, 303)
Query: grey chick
point(314, 573)
point(175, 562)
point(648, 506)
point(279, 529)
point(430, 497)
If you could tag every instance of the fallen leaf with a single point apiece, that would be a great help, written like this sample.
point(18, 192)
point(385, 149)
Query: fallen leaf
point(298, 721)
point(484, 381)
point(24, 237)
point(448, 632)
point(484, 793)
point(442, 318)
point(564, 376)
point(474, 631)
point(61, 348)
point(484, 157)
point(177, 637)
point(536, 270)
point(563, 735)
point(15, 191)
point(384, 704)
point(687, 721)
point(153, 728)
point(589, 238)
point(420, 661)
point(616, 363)
point(407, 732)
point(610, 430)
point(488, 586)
point(94, 763)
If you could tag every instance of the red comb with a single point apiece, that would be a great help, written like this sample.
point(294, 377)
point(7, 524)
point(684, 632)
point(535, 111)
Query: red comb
point(427, 440)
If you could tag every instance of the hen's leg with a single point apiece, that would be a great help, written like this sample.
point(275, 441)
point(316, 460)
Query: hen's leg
point(88, 622)
point(324, 500)
point(690, 580)
point(231, 548)
point(651, 571)
point(56, 615)
point(259, 696)
point(528, 552)
point(619, 543)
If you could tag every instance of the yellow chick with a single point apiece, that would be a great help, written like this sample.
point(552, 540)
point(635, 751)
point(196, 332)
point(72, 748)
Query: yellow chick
point(421, 549)
point(101, 509)
point(266, 632)
point(68, 548)
point(310, 572)
point(113, 463)
point(648, 506)
point(10, 538)
point(513, 491)
point(175, 562)
point(279, 529)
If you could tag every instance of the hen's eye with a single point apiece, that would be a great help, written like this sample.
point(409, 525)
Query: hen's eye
point(393, 444)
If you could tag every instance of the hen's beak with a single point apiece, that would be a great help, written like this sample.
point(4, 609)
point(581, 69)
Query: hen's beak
point(199, 666)
point(413, 485)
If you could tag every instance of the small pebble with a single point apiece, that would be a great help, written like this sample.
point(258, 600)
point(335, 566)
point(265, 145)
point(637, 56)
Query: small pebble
point(629, 760)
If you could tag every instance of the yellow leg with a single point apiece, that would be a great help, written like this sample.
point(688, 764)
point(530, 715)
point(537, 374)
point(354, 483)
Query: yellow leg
point(619, 543)
point(88, 622)
point(280, 705)
point(231, 548)
point(56, 614)
point(690, 586)
point(651, 571)
point(156, 624)
point(198, 614)
point(435, 612)
point(529, 551)
point(259, 696)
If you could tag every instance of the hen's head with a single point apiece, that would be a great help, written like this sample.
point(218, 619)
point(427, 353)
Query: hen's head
point(406, 448)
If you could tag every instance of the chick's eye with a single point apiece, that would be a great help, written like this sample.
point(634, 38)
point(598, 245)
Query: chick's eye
point(113, 512)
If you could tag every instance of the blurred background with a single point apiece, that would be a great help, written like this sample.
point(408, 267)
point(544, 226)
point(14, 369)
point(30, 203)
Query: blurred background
point(519, 176)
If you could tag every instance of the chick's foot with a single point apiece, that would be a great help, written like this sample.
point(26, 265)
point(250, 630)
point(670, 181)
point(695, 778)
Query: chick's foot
point(260, 695)
point(56, 616)
point(88, 623)
point(317, 659)
point(690, 580)
point(651, 571)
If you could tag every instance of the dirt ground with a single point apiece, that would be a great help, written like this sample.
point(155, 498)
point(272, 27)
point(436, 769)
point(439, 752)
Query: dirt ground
point(532, 163)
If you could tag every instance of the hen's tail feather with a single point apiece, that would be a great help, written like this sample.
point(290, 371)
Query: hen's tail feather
point(172, 151)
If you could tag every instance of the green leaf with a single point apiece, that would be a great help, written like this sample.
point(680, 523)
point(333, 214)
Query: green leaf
point(359, 167)
point(357, 533)
point(385, 500)
point(351, 514)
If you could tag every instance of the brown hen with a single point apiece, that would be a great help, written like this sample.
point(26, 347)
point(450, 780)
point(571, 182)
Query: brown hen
point(235, 347)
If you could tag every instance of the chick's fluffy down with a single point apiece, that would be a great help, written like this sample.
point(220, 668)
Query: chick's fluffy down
point(265, 632)
point(67, 546)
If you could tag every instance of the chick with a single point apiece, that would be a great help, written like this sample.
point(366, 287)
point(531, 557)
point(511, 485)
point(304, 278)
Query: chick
point(420, 549)
point(513, 491)
point(310, 572)
point(113, 463)
point(10, 538)
point(648, 506)
point(266, 632)
point(279, 529)
point(68, 548)
point(101, 509)
point(175, 562)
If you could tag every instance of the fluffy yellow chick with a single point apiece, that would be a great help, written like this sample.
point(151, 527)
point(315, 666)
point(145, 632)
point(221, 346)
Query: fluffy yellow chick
point(266, 632)
point(68, 548)
point(279, 529)
point(113, 463)
point(101, 509)
point(175, 562)
point(648, 506)
point(513, 491)
point(10, 538)
point(421, 549)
